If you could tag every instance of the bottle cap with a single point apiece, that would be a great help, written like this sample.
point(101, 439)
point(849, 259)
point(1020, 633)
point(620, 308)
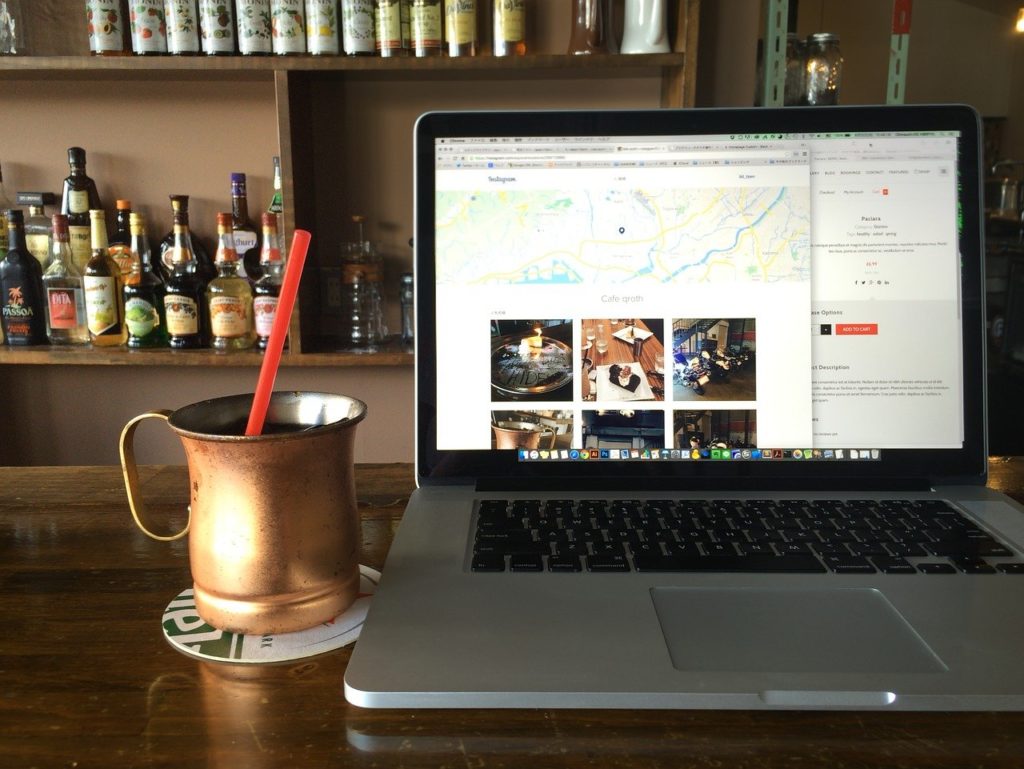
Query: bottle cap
point(224, 220)
point(269, 219)
point(237, 177)
point(96, 213)
point(76, 156)
point(135, 218)
point(14, 216)
point(124, 205)
point(179, 202)
point(60, 223)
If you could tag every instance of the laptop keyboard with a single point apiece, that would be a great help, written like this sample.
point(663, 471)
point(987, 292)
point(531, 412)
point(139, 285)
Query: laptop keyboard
point(762, 536)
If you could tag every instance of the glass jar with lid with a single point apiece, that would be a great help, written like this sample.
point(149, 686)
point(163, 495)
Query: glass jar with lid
point(823, 69)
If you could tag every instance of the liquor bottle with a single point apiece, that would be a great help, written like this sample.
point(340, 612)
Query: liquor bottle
point(217, 27)
point(229, 296)
point(77, 199)
point(461, 27)
point(108, 27)
point(65, 291)
point(322, 27)
point(182, 26)
point(392, 34)
point(149, 27)
point(200, 261)
point(288, 27)
point(247, 237)
point(427, 27)
point(21, 287)
point(143, 293)
point(358, 36)
point(5, 205)
point(38, 227)
point(121, 240)
point(253, 20)
point(104, 304)
point(184, 301)
point(509, 28)
point(276, 205)
point(267, 290)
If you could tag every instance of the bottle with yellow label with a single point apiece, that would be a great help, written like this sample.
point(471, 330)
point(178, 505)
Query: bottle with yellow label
point(460, 27)
point(104, 302)
point(229, 296)
point(509, 27)
point(427, 27)
point(78, 198)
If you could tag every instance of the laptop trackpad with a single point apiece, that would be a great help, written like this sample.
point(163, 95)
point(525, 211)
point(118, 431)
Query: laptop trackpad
point(777, 630)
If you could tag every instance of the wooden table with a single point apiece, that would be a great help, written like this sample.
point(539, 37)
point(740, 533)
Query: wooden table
point(86, 679)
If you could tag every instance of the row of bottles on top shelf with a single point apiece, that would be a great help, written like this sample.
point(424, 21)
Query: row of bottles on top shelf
point(120, 298)
point(356, 27)
point(64, 281)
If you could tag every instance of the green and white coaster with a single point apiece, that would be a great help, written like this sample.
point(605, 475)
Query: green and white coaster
point(186, 631)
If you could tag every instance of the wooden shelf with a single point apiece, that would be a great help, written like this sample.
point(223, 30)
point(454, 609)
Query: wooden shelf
point(391, 355)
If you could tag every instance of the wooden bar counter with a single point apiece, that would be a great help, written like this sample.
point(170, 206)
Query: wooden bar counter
point(87, 680)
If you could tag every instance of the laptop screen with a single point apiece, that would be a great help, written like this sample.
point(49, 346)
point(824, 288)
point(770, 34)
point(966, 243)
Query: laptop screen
point(721, 287)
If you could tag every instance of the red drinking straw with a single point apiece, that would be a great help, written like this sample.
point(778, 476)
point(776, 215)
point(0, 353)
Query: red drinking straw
point(278, 332)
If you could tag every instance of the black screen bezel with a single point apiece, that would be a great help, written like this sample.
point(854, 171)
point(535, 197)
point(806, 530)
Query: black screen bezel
point(899, 467)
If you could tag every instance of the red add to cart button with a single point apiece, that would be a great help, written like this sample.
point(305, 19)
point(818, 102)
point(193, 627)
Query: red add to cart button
point(856, 329)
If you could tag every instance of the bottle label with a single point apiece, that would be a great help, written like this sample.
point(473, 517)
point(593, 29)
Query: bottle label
point(216, 26)
point(265, 310)
point(389, 26)
point(149, 26)
point(253, 26)
point(122, 256)
point(18, 316)
point(78, 201)
point(322, 26)
point(182, 314)
point(426, 26)
point(182, 26)
point(509, 19)
point(39, 246)
point(140, 316)
point(80, 240)
point(461, 21)
point(245, 241)
point(357, 21)
point(228, 317)
point(100, 303)
point(287, 26)
point(106, 25)
point(67, 307)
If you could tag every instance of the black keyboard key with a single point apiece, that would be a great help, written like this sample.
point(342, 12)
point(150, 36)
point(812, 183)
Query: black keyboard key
point(491, 506)
point(564, 563)
point(774, 564)
point(849, 564)
point(488, 562)
point(967, 548)
point(935, 568)
point(520, 562)
point(607, 563)
point(528, 548)
point(1011, 568)
point(508, 536)
point(892, 565)
point(656, 562)
point(973, 566)
point(906, 549)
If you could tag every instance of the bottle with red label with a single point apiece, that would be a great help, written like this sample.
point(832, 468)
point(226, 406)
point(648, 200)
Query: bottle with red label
point(65, 291)
point(21, 288)
point(268, 288)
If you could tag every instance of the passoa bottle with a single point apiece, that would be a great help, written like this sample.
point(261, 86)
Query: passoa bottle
point(247, 236)
point(184, 302)
point(104, 304)
point(65, 291)
point(77, 199)
point(229, 296)
point(143, 293)
point(267, 290)
point(21, 287)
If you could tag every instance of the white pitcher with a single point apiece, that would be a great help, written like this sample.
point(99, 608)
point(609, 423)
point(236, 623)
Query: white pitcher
point(644, 29)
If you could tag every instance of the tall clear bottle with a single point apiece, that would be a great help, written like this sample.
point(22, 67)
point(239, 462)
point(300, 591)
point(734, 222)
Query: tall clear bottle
point(78, 198)
point(509, 28)
point(65, 291)
point(229, 296)
point(185, 300)
point(267, 291)
point(104, 303)
point(461, 31)
point(21, 288)
point(143, 293)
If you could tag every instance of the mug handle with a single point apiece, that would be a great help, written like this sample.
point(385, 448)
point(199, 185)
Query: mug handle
point(131, 476)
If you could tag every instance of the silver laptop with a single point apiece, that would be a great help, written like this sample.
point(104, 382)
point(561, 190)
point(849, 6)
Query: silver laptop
point(700, 419)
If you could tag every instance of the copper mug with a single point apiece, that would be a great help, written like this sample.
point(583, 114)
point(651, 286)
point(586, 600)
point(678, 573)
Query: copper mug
point(273, 523)
point(522, 435)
